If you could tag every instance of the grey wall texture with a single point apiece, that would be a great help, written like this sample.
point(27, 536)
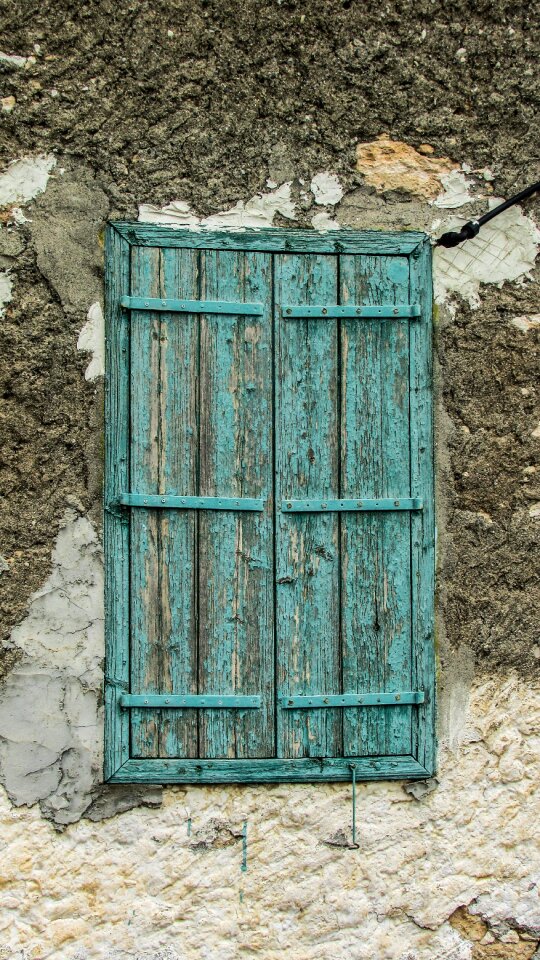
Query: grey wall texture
point(337, 114)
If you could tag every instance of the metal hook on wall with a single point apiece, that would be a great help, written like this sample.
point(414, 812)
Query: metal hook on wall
point(352, 768)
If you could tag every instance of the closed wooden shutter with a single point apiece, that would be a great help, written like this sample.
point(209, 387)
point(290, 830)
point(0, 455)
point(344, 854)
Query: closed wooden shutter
point(269, 506)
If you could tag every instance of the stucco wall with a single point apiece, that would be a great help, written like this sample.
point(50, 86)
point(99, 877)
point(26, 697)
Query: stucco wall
point(341, 115)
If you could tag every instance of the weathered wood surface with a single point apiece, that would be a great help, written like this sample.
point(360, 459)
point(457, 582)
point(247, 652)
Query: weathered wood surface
point(116, 525)
point(370, 242)
point(307, 547)
point(304, 770)
point(236, 548)
point(255, 406)
point(375, 548)
point(423, 527)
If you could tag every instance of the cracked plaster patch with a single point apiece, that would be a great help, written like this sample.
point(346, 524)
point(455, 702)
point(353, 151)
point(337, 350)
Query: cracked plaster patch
point(505, 249)
point(50, 733)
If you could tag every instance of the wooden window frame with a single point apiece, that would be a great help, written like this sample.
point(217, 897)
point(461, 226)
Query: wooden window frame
point(118, 766)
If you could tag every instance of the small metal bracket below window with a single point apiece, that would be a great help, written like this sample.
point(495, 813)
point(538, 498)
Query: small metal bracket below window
point(399, 699)
point(172, 701)
point(314, 505)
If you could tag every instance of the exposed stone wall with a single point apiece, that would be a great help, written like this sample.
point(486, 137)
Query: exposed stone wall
point(203, 114)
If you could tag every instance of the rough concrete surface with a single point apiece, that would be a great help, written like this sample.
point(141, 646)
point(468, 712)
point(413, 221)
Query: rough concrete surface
point(342, 114)
point(428, 874)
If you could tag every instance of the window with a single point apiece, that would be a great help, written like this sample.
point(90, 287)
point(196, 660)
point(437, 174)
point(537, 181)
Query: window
point(269, 506)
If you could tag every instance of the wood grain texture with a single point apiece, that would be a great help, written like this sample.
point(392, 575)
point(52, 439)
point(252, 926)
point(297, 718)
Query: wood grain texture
point(269, 771)
point(236, 548)
point(176, 394)
point(307, 548)
point(145, 458)
point(423, 525)
point(116, 524)
point(375, 548)
point(369, 242)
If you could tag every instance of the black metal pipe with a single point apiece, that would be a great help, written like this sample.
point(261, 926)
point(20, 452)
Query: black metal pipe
point(471, 228)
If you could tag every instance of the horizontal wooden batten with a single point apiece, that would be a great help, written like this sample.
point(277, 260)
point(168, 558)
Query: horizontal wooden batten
point(353, 700)
point(153, 304)
point(388, 311)
point(270, 239)
point(304, 770)
point(332, 506)
point(189, 503)
point(199, 702)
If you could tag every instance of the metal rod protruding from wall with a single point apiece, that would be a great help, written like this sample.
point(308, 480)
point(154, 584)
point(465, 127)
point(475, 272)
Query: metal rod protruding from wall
point(470, 229)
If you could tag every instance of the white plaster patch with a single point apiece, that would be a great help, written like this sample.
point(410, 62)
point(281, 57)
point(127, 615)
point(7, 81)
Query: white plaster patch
point(326, 189)
point(259, 211)
point(50, 729)
point(92, 340)
point(6, 290)
point(323, 221)
point(24, 180)
point(456, 192)
point(526, 323)
point(505, 249)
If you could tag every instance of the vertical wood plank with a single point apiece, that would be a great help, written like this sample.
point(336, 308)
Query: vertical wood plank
point(423, 524)
point(146, 612)
point(116, 523)
point(236, 549)
point(307, 547)
point(177, 395)
point(375, 548)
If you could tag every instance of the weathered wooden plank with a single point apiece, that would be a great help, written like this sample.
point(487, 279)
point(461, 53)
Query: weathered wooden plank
point(116, 523)
point(293, 241)
point(307, 548)
point(270, 771)
point(375, 548)
point(145, 451)
point(177, 393)
point(236, 552)
point(423, 526)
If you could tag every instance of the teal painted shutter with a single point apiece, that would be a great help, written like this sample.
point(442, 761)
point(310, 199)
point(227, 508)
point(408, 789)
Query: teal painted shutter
point(218, 392)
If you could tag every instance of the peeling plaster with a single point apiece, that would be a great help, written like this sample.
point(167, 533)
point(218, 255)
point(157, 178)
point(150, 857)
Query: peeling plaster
point(259, 211)
point(23, 180)
point(326, 189)
point(92, 340)
point(456, 190)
